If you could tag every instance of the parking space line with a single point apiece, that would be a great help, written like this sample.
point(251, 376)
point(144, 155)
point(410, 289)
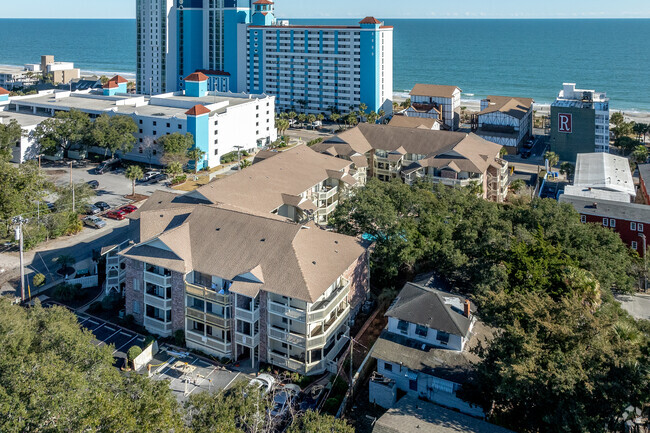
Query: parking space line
point(178, 378)
point(233, 379)
point(164, 366)
point(124, 345)
point(111, 336)
point(202, 380)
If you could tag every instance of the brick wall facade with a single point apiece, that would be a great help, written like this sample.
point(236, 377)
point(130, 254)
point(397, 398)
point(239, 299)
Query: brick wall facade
point(264, 321)
point(178, 301)
point(134, 272)
point(624, 228)
point(359, 276)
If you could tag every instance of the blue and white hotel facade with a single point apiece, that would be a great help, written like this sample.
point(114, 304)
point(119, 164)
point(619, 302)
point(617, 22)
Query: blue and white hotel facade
point(241, 47)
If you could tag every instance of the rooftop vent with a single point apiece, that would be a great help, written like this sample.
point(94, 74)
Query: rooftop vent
point(314, 262)
point(263, 240)
point(218, 229)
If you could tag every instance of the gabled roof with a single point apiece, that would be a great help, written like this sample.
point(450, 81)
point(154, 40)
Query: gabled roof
point(289, 259)
point(4, 91)
point(434, 90)
point(111, 85)
point(196, 76)
point(197, 110)
point(214, 72)
point(370, 20)
point(413, 122)
point(432, 308)
point(119, 79)
point(511, 106)
point(263, 2)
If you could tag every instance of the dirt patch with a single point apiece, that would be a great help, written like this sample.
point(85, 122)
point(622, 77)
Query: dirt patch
point(56, 172)
point(136, 198)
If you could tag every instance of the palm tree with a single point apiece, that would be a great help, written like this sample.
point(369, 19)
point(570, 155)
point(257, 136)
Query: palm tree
point(372, 117)
point(335, 117)
point(351, 119)
point(302, 117)
point(174, 169)
point(292, 115)
point(244, 164)
point(320, 117)
point(552, 158)
point(133, 173)
point(381, 113)
point(362, 110)
point(640, 155)
point(195, 154)
point(311, 119)
point(282, 125)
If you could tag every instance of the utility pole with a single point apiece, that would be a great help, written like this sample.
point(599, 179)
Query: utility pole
point(351, 367)
point(645, 263)
point(19, 221)
point(239, 148)
point(72, 186)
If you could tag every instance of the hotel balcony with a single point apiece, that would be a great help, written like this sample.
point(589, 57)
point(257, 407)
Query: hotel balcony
point(247, 315)
point(158, 302)
point(287, 311)
point(286, 336)
point(207, 294)
point(328, 192)
point(323, 211)
point(247, 340)
point(207, 318)
point(113, 261)
point(157, 279)
point(157, 326)
point(321, 335)
point(322, 309)
point(456, 182)
point(285, 361)
point(194, 338)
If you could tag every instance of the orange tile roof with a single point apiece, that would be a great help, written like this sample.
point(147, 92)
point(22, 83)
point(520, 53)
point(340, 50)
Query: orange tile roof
point(196, 76)
point(370, 20)
point(197, 110)
point(119, 79)
point(111, 85)
point(263, 2)
point(4, 91)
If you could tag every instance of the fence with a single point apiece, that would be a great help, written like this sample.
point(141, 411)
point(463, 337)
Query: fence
point(86, 282)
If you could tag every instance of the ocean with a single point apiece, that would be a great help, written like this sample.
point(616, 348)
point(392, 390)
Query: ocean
point(530, 58)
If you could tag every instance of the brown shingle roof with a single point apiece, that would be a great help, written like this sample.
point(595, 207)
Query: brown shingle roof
point(4, 91)
point(370, 20)
point(413, 122)
point(434, 90)
point(196, 76)
point(260, 188)
point(515, 107)
point(197, 110)
point(295, 261)
point(119, 79)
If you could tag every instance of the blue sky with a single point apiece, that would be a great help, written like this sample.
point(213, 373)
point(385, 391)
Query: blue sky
point(358, 8)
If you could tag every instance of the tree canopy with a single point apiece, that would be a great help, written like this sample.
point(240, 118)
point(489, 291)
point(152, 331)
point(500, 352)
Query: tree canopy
point(10, 133)
point(62, 132)
point(114, 133)
point(175, 147)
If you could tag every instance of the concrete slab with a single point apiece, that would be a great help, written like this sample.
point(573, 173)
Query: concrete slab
point(638, 306)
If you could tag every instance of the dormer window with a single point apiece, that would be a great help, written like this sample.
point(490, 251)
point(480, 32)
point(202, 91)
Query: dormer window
point(403, 326)
point(443, 337)
point(423, 331)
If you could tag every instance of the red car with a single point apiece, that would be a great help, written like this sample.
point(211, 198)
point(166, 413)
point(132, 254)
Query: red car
point(115, 215)
point(128, 208)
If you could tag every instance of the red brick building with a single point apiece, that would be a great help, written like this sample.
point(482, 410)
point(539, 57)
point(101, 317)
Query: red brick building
point(631, 221)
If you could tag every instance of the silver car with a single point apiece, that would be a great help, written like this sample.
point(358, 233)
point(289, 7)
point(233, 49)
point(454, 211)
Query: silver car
point(94, 222)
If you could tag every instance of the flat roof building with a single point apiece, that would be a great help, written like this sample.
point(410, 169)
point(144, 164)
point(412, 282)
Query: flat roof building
point(579, 122)
point(602, 176)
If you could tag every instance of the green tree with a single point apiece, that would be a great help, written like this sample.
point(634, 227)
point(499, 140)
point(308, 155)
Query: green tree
point(626, 144)
point(64, 131)
point(320, 117)
point(640, 154)
point(335, 117)
point(372, 117)
point(311, 119)
point(282, 125)
point(292, 116)
point(517, 185)
point(313, 422)
point(175, 147)
point(351, 119)
point(617, 119)
point(567, 169)
point(381, 113)
point(103, 79)
point(195, 154)
point(552, 157)
point(174, 169)
point(23, 187)
point(639, 129)
point(406, 103)
point(302, 118)
point(10, 134)
point(624, 129)
point(245, 163)
point(362, 110)
point(114, 133)
point(133, 173)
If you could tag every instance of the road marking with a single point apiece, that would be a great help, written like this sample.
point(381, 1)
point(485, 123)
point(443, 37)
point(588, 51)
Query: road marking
point(178, 378)
point(164, 366)
point(111, 336)
point(128, 335)
point(233, 379)
point(202, 380)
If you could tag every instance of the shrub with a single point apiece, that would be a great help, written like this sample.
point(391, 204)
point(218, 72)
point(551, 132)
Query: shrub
point(38, 280)
point(179, 338)
point(133, 353)
point(95, 307)
point(314, 141)
point(331, 405)
point(149, 340)
point(66, 292)
point(111, 302)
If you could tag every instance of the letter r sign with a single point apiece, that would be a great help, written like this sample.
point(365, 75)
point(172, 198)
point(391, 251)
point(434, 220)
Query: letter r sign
point(565, 122)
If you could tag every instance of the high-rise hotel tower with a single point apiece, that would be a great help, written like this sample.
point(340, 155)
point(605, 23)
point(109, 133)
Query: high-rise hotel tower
point(241, 47)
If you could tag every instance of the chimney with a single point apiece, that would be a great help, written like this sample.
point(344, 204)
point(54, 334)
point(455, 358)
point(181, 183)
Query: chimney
point(468, 308)
point(595, 205)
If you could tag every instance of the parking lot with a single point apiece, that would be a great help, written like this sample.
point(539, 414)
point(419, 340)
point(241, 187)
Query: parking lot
point(186, 373)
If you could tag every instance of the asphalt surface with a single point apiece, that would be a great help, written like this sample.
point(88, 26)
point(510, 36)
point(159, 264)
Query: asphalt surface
point(638, 306)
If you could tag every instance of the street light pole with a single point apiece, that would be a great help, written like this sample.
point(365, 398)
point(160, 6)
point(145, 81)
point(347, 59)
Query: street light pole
point(19, 221)
point(645, 263)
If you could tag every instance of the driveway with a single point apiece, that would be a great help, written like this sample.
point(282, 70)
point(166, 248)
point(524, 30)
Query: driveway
point(638, 305)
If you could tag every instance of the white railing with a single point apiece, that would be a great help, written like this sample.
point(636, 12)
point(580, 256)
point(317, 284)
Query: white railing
point(113, 261)
point(157, 327)
point(337, 348)
point(322, 338)
point(155, 301)
point(90, 281)
point(287, 337)
point(287, 363)
point(334, 302)
point(247, 316)
point(328, 194)
point(456, 182)
point(206, 341)
point(247, 340)
point(290, 312)
point(157, 279)
point(329, 209)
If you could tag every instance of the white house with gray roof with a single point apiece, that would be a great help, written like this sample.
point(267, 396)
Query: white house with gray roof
point(425, 349)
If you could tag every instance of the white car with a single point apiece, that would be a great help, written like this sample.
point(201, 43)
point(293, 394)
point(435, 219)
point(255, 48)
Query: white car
point(283, 400)
point(263, 382)
point(95, 222)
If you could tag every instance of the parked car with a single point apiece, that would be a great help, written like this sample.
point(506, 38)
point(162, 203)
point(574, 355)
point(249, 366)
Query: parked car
point(529, 144)
point(284, 399)
point(525, 155)
point(115, 215)
point(129, 208)
point(94, 221)
point(158, 178)
point(263, 382)
point(108, 165)
point(93, 184)
point(50, 206)
point(149, 176)
point(103, 206)
point(91, 209)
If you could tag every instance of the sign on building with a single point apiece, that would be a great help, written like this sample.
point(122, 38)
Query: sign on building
point(565, 123)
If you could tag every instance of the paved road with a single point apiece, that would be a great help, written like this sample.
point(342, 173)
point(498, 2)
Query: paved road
point(638, 306)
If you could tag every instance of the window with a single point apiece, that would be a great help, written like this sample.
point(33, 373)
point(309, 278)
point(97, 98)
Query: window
point(141, 131)
point(155, 133)
point(388, 366)
point(639, 227)
point(443, 337)
point(612, 223)
point(169, 125)
point(421, 331)
point(634, 245)
point(135, 285)
point(140, 149)
point(583, 219)
point(413, 385)
point(140, 140)
point(136, 307)
point(605, 221)
point(180, 127)
point(155, 123)
point(633, 227)
point(216, 152)
point(140, 121)
point(403, 327)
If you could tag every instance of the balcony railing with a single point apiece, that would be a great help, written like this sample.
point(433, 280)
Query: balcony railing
point(207, 318)
point(156, 326)
point(247, 316)
point(247, 340)
point(209, 342)
point(321, 334)
point(331, 192)
point(113, 261)
point(456, 182)
point(328, 306)
point(203, 292)
point(286, 336)
point(329, 209)
point(286, 311)
point(157, 279)
point(155, 301)
point(283, 361)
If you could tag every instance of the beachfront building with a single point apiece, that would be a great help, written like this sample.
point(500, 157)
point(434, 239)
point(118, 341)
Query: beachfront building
point(220, 122)
point(436, 102)
point(16, 77)
point(298, 184)
point(58, 72)
point(244, 286)
point(426, 348)
point(579, 122)
point(242, 48)
point(450, 158)
point(315, 69)
point(601, 176)
point(505, 120)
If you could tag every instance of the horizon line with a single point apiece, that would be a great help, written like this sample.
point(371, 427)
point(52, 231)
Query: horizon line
point(466, 18)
